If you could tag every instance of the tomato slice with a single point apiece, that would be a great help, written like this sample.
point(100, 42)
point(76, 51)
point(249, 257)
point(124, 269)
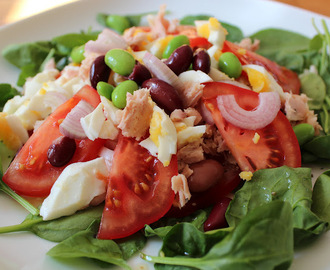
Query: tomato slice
point(278, 144)
point(286, 78)
point(199, 42)
point(139, 190)
point(30, 173)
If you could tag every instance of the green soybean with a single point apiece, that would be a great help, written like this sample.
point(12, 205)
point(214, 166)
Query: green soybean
point(228, 63)
point(104, 89)
point(119, 93)
point(77, 54)
point(118, 23)
point(120, 61)
point(175, 43)
point(304, 132)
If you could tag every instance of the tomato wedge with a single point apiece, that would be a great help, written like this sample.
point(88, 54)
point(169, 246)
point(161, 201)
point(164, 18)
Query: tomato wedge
point(139, 190)
point(30, 173)
point(286, 78)
point(278, 144)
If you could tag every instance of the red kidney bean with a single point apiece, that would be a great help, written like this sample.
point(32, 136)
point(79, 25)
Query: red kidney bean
point(99, 71)
point(139, 74)
point(206, 174)
point(217, 218)
point(163, 94)
point(61, 151)
point(180, 59)
point(202, 61)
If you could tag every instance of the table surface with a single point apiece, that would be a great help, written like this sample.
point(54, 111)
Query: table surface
point(14, 10)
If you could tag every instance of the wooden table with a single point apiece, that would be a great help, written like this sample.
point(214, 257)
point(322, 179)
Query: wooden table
point(318, 6)
point(13, 10)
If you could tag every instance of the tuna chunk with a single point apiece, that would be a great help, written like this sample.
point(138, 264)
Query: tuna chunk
point(135, 118)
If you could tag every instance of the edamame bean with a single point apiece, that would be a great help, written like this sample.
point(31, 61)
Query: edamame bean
point(118, 23)
point(119, 93)
point(229, 64)
point(77, 54)
point(304, 132)
point(120, 61)
point(105, 89)
point(175, 43)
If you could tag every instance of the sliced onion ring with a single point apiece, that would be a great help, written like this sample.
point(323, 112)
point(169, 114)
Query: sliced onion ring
point(71, 126)
point(261, 116)
point(161, 71)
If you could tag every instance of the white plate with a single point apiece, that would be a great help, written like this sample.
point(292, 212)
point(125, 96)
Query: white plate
point(27, 251)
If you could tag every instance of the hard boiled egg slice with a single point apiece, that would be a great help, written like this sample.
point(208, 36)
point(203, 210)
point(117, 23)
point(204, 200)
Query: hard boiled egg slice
point(212, 30)
point(162, 142)
point(261, 80)
point(187, 132)
point(215, 34)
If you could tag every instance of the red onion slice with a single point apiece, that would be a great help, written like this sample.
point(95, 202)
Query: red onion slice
point(161, 71)
point(71, 126)
point(261, 116)
point(54, 99)
point(206, 114)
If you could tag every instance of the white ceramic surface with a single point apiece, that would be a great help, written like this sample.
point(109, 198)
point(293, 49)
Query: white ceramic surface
point(25, 251)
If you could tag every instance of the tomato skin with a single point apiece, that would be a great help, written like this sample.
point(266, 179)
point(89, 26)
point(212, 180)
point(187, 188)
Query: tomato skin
point(278, 144)
point(286, 78)
point(129, 206)
point(199, 42)
point(30, 173)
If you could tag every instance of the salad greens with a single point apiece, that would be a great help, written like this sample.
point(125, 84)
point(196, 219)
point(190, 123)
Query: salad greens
point(277, 204)
point(243, 248)
point(31, 57)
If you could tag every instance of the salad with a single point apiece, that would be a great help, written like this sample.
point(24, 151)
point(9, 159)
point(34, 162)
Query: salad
point(220, 118)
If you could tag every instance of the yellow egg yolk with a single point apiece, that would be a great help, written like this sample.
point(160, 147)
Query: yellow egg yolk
point(155, 127)
point(258, 80)
point(10, 139)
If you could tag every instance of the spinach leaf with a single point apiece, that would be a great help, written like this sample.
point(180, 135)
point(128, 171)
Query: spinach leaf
point(190, 19)
point(72, 40)
point(235, 34)
point(321, 196)
point(262, 240)
point(274, 43)
point(307, 226)
point(21, 55)
point(6, 92)
point(163, 226)
point(59, 229)
point(184, 239)
point(30, 57)
point(131, 245)
point(6, 156)
point(84, 245)
point(292, 185)
point(314, 87)
point(319, 146)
